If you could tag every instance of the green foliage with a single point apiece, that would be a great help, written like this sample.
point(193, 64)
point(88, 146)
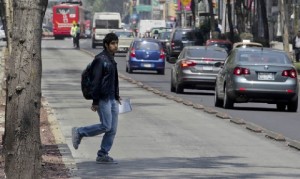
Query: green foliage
point(297, 65)
point(105, 5)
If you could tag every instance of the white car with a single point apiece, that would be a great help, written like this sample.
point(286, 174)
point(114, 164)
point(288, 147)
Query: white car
point(2, 33)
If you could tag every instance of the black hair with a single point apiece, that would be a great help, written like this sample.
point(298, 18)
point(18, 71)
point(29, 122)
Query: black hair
point(109, 38)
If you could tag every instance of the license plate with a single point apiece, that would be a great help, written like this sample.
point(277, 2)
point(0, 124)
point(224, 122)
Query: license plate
point(207, 68)
point(147, 65)
point(265, 76)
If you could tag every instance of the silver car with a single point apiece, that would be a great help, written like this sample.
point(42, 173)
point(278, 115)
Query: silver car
point(261, 75)
point(195, 68)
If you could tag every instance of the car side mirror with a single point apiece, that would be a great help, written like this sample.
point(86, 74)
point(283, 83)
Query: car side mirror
point(172, 60)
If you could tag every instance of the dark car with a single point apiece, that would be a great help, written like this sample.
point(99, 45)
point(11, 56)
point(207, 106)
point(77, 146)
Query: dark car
point(196, 68)
point(256, 74)
point(146, 54)
point(182, 37)
point(164, 38)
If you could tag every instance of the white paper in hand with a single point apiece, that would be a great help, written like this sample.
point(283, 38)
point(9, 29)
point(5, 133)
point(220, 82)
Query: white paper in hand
point(125, 106)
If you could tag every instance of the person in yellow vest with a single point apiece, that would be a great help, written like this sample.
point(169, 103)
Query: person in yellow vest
point(73, 33)
point(77, 36)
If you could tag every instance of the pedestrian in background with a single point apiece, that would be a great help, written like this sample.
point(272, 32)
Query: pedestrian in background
point(106, 100)
point(73, 33)
point(296, 46)
point(77, 36)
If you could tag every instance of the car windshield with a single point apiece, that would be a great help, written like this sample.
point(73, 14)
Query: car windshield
point(262, 58)
point(206, 53)
point(124, 34)
point(144, 45)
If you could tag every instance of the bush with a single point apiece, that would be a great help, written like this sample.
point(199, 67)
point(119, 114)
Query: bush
point(297, 65)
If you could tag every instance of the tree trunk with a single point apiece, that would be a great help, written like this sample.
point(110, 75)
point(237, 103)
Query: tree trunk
point(231, 37)
point(22, 143)
point(212, 16)
point(263, 11)
point(240, 16)
point(284, 25)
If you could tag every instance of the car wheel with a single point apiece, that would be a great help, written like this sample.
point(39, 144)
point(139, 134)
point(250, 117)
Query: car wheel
point(293, 105)
point(280, 106)
point(218, 101)
point(161, 72)
point(227, 103)
point(129, 69)
point(179, 89)
point(172, 89)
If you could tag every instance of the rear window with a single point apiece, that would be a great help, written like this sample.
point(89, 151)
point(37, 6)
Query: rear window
point(226, 46)
point(184, 35)
point(262, 58)
point(147, 46)
point(107, 24)
point(206, 53)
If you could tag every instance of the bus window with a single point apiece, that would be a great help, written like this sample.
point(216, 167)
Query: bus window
point(65, 10)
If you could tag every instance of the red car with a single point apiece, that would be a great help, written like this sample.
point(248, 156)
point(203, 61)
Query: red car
point(226, 44)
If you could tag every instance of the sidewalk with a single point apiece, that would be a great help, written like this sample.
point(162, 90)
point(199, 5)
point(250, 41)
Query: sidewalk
point(164, 136)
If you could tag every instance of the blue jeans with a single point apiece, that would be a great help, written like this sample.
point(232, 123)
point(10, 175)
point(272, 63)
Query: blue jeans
point(108, 111)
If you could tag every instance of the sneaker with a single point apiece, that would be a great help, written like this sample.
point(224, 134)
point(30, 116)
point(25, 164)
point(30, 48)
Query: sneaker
point(105, 159)
point(76, 138)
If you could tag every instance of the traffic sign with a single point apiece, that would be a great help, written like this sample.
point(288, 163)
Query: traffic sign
point(185, 2)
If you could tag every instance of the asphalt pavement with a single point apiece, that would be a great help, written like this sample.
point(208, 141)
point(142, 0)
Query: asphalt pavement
point(163, 137)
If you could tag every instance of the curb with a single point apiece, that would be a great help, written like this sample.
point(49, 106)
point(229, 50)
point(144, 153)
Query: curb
point(60, 140)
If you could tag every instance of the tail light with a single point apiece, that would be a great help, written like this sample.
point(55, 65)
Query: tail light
point(290, 73)
point(162, 54)
point(172, 44)
point(187, 63)
point(241, 71)
point(132, 52)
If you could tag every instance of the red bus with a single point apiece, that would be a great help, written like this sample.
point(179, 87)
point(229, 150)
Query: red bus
point(64, 15)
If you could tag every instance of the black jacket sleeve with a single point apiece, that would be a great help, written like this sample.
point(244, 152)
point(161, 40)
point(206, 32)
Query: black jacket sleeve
point(97, 76)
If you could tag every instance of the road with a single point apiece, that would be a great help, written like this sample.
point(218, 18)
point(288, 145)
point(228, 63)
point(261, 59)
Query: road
point(265, 115)
point(160, 138)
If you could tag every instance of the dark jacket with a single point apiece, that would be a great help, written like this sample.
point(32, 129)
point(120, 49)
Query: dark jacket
point(105, 77)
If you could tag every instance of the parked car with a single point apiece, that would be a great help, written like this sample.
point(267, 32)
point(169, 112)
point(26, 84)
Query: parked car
point(182, 37)
point(261, 75)
point(146, 54)
point(196, 68)
point(2, 33)
point(125, 39)
point(226, 44)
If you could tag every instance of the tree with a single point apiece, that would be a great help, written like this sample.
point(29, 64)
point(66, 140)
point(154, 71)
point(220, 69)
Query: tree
point(212, 16)
point(22, 143)
point(231, 35)
point(284, 25)
point(264, 17)
point(242, 12)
